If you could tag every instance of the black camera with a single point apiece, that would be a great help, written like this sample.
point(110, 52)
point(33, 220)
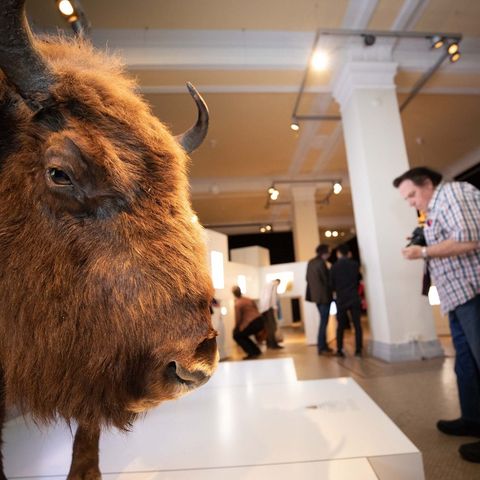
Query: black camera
point(417, 238)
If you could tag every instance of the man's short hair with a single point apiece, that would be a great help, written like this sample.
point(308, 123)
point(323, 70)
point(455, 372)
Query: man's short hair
point(237, 293)
point(344, 249)
point(419, 175)
point(322, 249)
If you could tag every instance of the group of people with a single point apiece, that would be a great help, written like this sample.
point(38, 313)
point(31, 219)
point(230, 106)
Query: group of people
point(340, 282)
point(323, 284)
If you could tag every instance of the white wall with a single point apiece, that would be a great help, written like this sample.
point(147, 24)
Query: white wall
point(308, 310)
point(255, 255)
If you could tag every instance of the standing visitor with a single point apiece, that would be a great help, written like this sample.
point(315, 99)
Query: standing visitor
point(452, 253)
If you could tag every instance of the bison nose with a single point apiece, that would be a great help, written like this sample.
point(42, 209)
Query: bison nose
point(190, 378)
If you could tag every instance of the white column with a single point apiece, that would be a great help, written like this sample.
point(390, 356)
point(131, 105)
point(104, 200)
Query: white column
point(401, 319)
point(305, 227)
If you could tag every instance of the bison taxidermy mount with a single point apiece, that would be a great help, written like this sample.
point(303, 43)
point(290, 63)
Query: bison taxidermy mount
point(104, 290)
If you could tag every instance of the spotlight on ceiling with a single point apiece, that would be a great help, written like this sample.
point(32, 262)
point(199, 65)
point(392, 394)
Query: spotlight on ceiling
point(369, 39)
point(295, 126)
point(266, 228)
point(453, 48)
point(320, 61)
point(437, 41)
point(73, 12)
point(273, 192)
point(66, 8)
point(455, 57)
point(337, 188)
point(328, 233)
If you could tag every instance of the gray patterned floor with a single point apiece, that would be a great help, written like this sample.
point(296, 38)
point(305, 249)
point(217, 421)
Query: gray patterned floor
point(413, 394)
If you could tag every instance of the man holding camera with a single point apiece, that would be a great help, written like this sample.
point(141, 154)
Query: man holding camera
point(452, 252)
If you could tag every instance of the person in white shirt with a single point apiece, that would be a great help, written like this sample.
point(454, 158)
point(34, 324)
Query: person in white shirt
point(268, 307)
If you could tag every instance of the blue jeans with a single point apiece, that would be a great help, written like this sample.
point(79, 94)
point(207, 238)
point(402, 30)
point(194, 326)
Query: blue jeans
point(465, 328)
point(324, 311)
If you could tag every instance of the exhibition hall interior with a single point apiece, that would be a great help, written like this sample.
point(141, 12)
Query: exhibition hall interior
point(315, 107)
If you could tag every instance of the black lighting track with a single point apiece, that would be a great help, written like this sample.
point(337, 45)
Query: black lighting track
point(369, 37)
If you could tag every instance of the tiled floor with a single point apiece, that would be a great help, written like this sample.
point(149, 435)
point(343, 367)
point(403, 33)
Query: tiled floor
point(413, 394)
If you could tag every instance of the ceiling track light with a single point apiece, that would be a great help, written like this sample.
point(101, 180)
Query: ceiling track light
point(337, 188)
point(437, 41)
point(273, 192)
point(453, 48)
point(74, 14)
point(369, 37)
point(455, 57)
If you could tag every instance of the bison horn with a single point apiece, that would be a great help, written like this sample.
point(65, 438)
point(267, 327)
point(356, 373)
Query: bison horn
point(193, 138)
point(21, 63)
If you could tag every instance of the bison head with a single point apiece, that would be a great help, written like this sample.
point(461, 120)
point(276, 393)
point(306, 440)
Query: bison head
point(104, 291)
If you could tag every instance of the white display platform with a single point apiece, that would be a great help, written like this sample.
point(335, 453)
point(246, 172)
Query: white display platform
point(253, 372)
point(352, 469)
point(328, 429)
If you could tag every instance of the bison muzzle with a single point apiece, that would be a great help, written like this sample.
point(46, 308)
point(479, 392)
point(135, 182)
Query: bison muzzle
point(104, 290)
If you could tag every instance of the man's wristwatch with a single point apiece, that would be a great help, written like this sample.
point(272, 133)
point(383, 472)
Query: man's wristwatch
point(424, 253)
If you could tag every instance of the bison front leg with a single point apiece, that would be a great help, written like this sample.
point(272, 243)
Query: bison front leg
point(85, 455)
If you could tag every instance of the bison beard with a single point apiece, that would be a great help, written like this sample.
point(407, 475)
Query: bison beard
point(104, 291)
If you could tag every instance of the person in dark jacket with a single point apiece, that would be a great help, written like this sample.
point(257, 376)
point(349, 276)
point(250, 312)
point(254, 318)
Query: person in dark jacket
point(319, 292)
point(344, 279)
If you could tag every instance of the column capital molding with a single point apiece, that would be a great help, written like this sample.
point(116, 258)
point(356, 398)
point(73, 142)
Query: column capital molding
point(363, 75)
point(303, 192)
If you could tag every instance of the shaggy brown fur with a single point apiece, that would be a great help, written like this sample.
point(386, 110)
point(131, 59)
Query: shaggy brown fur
point(103, 283)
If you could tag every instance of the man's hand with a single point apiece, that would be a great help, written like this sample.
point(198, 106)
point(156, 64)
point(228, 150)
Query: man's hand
point(412, 253)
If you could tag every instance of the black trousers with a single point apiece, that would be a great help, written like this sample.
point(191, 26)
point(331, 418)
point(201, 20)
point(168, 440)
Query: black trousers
point(342, 319)
point(271, 327)
point(243, 337)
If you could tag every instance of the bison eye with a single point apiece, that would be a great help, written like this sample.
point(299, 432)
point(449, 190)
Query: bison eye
point(58, 176)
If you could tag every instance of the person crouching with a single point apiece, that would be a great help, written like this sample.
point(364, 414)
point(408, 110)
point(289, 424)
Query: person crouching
point(248, 321)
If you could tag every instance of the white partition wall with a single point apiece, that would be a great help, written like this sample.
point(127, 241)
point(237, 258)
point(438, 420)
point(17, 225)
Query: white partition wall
point(255, 255)
point(295, 288)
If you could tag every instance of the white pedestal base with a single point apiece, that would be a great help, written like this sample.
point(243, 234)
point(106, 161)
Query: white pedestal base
point(328, 429)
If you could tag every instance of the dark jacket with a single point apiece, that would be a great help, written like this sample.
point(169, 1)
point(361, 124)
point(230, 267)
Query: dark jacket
point(318, 284)
point(344, 279)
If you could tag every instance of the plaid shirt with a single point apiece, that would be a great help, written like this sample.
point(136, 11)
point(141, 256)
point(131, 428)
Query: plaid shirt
point(454, 212)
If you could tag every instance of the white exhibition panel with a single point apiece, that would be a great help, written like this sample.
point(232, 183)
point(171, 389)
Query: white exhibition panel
point(257, 372)
point(233, 427)
point(351, 469)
